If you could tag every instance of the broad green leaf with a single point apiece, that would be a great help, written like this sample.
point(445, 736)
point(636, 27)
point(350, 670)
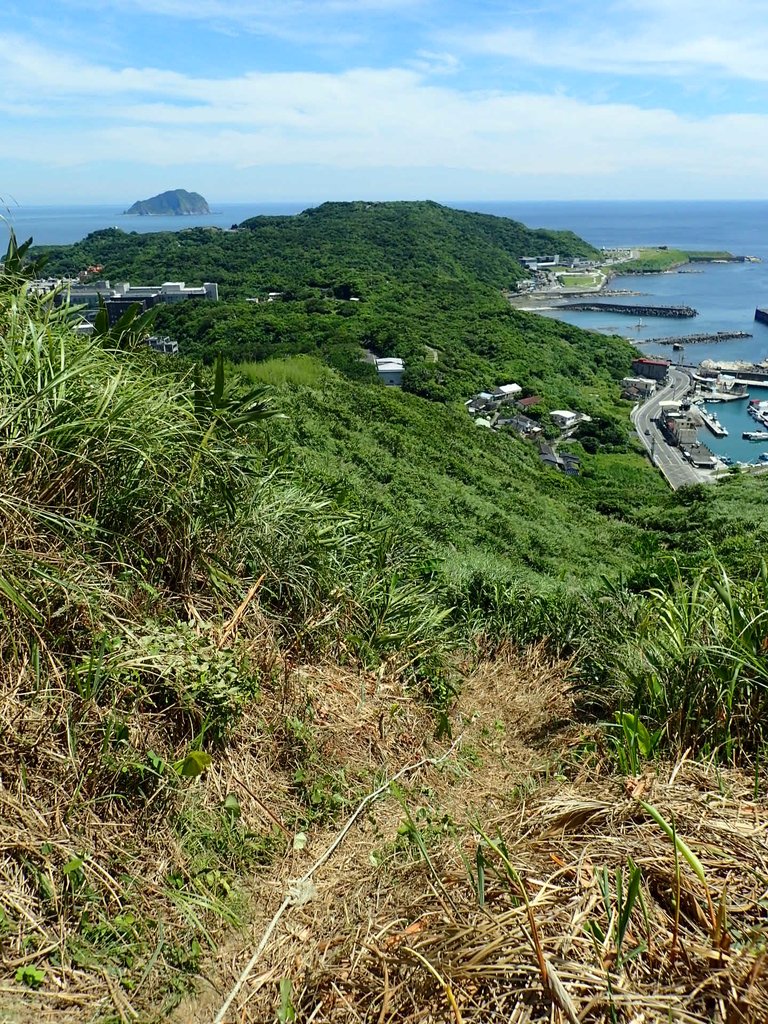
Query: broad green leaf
point(32, 977)
point(232, 805)
point(73, 866)
point(195, 763)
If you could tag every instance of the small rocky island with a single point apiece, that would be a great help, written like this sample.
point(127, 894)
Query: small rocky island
point(175, 203)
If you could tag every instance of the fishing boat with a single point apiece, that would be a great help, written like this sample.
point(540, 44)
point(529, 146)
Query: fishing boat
point(755, 435)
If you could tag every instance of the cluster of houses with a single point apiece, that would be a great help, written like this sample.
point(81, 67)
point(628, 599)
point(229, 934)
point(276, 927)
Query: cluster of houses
point(534, 263)
point(502, 407)
point(648, 373)
point(91, 295)
point(679, 423)
point(120, 297)
point(545, 268)
point(637, 389)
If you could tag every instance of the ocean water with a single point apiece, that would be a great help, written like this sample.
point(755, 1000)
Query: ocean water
point(687, 225)
point(725, 295)
point(695, 225)
point(62, 225)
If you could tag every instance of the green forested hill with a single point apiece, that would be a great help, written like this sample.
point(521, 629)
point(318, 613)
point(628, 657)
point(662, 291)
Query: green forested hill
point(330, 246)
point(455, 337)
point(428, 278)
point(429, 282)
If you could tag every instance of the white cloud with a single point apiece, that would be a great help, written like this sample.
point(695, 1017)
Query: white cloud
point(366, 119)
point(432, 63)
point(635, 37)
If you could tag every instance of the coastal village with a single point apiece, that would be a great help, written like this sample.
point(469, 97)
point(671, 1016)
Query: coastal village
point(671, 411)
point(673, 399)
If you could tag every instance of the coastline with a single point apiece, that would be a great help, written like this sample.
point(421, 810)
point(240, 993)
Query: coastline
point(553, 296)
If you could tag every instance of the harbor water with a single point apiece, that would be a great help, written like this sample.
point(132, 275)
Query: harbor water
point(735, 418)
point(725, 295)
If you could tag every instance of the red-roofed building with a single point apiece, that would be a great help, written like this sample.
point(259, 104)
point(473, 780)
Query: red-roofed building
point(656, 369)
point(527, 403)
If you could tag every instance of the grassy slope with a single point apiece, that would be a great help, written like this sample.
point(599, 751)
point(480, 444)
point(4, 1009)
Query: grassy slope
point(459, 487)
point(655, 260)
point(160, 573)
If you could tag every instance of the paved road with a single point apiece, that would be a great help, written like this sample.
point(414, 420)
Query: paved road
point(676, 470)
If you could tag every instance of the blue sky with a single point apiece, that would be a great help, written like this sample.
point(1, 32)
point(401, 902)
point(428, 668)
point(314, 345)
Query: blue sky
point(268, 100)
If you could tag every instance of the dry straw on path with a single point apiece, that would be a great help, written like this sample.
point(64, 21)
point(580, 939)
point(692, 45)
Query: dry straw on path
point(535, 885)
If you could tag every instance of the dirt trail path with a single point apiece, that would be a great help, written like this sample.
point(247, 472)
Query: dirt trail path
point(510, 722)
point(490, 889)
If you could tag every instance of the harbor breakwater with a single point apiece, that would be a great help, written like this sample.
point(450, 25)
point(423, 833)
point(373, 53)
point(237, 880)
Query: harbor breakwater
point(673, 312)
point(697, 339)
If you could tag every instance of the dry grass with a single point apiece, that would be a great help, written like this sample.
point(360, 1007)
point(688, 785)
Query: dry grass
point(143, 853)
point(447, 959)
point(393, 930)
point(393, 937)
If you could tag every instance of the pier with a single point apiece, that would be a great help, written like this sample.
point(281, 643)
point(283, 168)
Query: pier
point(713, 423)
point(673, 312)
point(697, 339)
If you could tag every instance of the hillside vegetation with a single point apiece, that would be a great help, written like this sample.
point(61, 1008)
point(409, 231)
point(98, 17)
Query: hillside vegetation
point(274, 621)
point(428, 280)
point(324, 246)
point(660, 259)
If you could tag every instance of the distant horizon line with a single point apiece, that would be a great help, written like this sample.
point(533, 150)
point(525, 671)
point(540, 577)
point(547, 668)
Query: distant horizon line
point(10, 208)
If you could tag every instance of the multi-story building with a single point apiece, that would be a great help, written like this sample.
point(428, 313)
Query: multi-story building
point(122, 296)
point(655, 369)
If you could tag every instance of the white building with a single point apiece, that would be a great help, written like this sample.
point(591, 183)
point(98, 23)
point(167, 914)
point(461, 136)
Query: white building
point(507, 392)
point(176, 291)
point(644, 385)
point(564, 419)
point(390, 371)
